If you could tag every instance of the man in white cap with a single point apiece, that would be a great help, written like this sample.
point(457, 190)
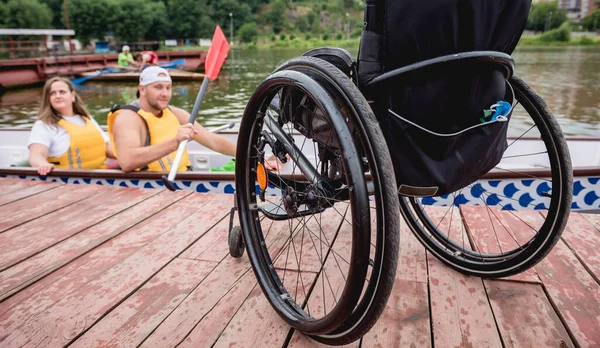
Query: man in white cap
point(126, 58)
point(145, 134)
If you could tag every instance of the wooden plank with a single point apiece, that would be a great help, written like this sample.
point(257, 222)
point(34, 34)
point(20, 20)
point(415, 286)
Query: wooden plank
point(11, 184)
point(460, 311)
point(405, 320)
point(494, 231)
point(254, 325)
point(580, 238)
point(593, 219)
point(208, 297)
point(89, 303)
point(206, 332)
point(300, 340)
point(572, 291)
point(27, 191)
point(211, 247)
point(30, 208)
point(42, 294)
point(134, 319)
point(36, 267)
point(534, 324)
point(34, 236)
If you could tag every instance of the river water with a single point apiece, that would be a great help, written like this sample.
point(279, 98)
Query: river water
point(567, 78)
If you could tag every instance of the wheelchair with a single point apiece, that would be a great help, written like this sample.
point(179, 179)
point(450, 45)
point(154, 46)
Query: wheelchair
point(371, 141)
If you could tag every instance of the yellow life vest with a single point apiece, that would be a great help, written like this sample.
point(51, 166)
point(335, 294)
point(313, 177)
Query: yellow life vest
point(87, 149)
point(160, 129)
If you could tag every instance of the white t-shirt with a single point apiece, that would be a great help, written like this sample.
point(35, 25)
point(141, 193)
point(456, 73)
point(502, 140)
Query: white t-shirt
point(56, 138)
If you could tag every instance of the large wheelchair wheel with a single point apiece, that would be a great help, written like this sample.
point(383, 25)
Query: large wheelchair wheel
point(515, 230)
point(324, 242)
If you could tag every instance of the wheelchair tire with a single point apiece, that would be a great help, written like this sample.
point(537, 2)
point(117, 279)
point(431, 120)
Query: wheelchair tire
point(384, 202)
point(512, 248)
point(364, 269)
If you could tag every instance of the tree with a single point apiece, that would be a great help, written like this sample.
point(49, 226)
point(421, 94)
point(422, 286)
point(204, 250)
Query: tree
point(591, 22)
point(91, 18)
point(545, 16)
point(56, 7)
point(27, 14)
point(302, 23)
point(277, 16)
point(222, 8)
point(248, 32)
point(189, 19)
point(159, 27)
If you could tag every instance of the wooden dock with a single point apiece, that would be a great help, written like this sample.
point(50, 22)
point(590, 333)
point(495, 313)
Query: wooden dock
point(96, 266)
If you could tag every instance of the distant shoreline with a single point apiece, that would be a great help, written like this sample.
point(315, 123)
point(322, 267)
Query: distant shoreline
point(352, 44)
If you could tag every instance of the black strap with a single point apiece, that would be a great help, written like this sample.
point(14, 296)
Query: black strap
point(117, 107)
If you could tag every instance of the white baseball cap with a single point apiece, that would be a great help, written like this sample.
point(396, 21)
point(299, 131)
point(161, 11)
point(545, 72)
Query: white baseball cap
point(154, 74)
point(125, 48)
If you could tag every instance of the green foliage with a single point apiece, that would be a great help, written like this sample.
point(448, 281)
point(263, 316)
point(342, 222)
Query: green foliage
point(339, 35)
point(186, 19)
point(545, 16)
point(292, 37)
point(30, 14)
point(592, 21)
point(248, 32)
point(356, 33)
point(136, 20)
point(315, 22)
point(302, 23)
point(586, 40)
point(222, 8)
point(325, 36)
point(277, 15)
point(282, 37)
point(56, 7)
point(130, 27)
point(563, 33)
point(90, 18)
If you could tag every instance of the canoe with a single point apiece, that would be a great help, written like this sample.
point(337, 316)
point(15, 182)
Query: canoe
point(176, 74)
point(517, 176)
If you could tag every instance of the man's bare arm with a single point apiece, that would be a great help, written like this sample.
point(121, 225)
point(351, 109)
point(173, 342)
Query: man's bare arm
point(130, 133)
point(213, 141)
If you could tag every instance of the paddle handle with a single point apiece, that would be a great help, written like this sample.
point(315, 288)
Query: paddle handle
point(198, 101)
point(169, 181)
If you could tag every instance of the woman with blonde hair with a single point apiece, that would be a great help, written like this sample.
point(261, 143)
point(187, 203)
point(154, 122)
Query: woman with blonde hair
point(66, 136)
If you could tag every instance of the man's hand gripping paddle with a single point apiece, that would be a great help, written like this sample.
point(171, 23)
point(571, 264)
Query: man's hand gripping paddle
point(214, 61)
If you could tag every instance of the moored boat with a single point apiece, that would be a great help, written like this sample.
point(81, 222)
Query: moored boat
point(176, 74)
point(514, 184)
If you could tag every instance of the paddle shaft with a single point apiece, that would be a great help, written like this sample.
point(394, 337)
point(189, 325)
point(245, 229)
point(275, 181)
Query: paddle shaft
point(183, 144)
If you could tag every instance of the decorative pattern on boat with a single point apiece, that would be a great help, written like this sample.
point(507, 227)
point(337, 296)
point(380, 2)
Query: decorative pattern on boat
point(508, 194)
point(520, 194)
point(207, 186)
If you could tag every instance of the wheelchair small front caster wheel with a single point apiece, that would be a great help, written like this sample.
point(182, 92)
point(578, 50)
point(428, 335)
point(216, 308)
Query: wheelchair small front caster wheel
point(236, 242)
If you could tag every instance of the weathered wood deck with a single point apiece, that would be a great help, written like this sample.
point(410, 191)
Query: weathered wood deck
point(94, 266)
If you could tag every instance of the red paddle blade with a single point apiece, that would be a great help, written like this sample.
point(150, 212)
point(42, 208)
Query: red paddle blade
point(216, 54)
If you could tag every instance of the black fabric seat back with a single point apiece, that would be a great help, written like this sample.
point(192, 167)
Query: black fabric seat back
point(419, 117)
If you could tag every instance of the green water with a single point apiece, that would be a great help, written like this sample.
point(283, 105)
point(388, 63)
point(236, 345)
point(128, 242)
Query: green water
point(568, 78)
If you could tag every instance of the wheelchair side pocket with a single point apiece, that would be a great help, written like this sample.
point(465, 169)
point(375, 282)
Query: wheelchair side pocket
point(430, 163)
point(369, 57)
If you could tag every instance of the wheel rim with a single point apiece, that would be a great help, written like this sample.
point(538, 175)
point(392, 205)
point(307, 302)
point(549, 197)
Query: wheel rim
point(306, 277)
point(513, 238)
